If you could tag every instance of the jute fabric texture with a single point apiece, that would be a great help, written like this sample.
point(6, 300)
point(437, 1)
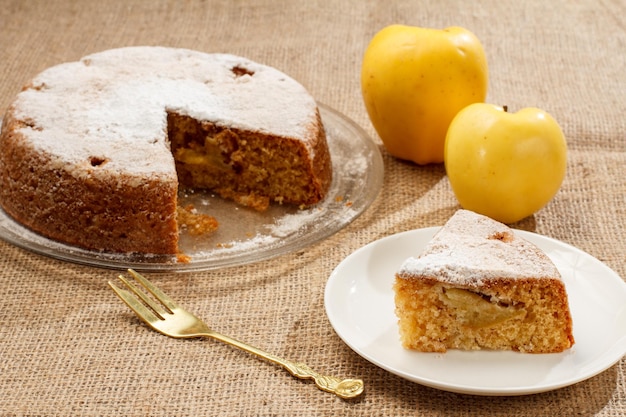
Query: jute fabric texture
point(69, 347)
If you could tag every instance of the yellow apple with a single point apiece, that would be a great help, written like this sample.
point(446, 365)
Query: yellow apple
point(414, 81)
point(504, 165)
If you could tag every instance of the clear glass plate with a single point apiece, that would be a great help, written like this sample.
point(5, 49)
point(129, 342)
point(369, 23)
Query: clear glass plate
point(359, 301)
point(245, 235)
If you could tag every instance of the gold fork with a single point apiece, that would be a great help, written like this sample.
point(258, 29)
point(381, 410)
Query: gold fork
point(167, 317)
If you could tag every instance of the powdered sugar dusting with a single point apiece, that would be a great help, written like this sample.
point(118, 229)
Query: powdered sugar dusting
point(471, 248)
point(113, 101)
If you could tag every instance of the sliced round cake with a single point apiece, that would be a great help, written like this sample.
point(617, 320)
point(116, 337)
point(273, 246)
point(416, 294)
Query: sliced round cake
point(92, 152)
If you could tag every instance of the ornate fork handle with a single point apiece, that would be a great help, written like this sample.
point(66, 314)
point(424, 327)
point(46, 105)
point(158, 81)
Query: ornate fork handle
point(344, 388)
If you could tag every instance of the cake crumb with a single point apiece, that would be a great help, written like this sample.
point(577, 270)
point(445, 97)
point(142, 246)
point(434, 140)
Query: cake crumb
point(182, 258)
point(196, 224)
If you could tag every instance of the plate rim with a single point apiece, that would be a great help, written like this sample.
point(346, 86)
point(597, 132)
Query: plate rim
point(610, 356)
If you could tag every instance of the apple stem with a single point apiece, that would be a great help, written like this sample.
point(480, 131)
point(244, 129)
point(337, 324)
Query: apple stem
point(505, 108)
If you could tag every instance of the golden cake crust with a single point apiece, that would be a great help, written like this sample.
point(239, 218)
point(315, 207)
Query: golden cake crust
point(93, 212)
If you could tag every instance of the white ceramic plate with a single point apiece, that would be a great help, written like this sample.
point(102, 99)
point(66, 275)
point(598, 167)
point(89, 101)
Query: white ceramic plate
point(245, 235)
point(359, 302)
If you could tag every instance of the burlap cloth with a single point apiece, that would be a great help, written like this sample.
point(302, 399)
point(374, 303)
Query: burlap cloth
point(68, 346)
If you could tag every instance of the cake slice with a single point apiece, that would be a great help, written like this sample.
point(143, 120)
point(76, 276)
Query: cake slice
point(476, 285)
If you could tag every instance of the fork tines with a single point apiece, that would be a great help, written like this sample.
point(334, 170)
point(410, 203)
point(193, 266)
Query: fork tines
point(140, 302)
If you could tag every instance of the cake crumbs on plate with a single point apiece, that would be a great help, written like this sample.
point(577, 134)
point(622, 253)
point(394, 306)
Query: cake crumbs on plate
point(196, 224)
point(182, 258)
